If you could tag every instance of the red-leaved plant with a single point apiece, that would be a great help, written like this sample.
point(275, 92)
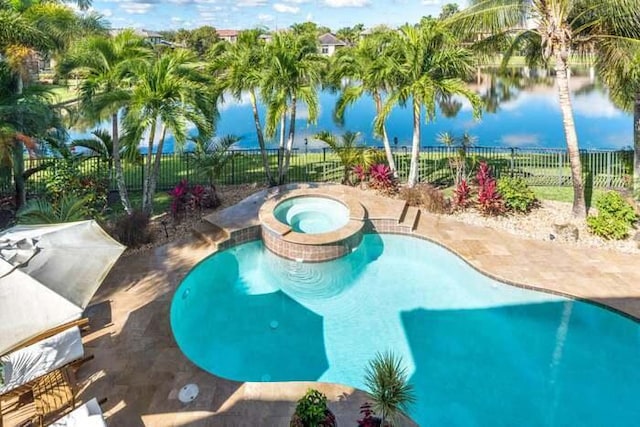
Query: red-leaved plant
point(179, 198)
point(462, 195)
point(360, 172)
point(381, 178)
point(489, 199)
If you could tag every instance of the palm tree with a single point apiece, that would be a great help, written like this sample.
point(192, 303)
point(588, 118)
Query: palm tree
point(430, 67)
point(169, 93)
point(293, 72)
point(211, 156)
point(387, 382)
point(69, 208)
point(106, 66)
point(238, 70)
point(619, 66)
point(27, 119)
point(553, 30)
point(370, 69)
point(347, 150)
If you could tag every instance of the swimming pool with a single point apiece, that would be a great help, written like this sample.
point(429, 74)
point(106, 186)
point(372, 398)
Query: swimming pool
point(478, 352)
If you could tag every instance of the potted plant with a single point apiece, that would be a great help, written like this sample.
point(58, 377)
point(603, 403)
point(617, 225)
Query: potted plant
point(312, 411)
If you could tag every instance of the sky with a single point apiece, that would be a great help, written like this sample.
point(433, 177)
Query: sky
point(273, 14)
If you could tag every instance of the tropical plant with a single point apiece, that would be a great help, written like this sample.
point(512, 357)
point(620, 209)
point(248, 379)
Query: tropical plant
point(347, 150)
point(517, 195)
point(368, 416)
point(619, 66)
point(462, 195)
point(312, 411)
point(551, 30)
point(42, 211)
point(238, 68)
point(169, 93)
point(459, 163)
point(431, 65)
point(27, 121)
point(370, 69)
point(212, 155)
point(426, 196)
point(105, 65)
point(615, 217)
point(489, 199)
point(381, 179)
point(387, 382)
point(293, 71)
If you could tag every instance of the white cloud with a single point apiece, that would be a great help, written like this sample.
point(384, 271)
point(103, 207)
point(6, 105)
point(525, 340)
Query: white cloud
point(346, 3)
point(136, 8)
point(265, 17)
point(251, 3)
point(283, 8)
point(431, 2)
point(106, 12)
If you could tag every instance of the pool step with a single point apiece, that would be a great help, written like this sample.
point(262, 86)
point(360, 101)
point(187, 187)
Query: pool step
point(209, 233)
point(409, 217)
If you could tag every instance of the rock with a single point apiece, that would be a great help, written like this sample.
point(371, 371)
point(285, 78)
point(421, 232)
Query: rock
point(637, 237)
point(567, 232)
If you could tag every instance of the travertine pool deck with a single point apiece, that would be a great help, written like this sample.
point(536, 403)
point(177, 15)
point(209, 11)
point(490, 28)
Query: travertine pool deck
point(139, 368)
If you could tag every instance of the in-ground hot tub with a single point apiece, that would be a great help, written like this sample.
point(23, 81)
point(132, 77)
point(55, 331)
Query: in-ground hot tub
point(312, 214)
point(310, 226)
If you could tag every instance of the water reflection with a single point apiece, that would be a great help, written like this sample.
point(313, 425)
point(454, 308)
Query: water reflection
point(521, 110)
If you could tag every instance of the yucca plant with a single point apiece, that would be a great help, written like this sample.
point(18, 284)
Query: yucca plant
point(69, 208)
point(387, 382)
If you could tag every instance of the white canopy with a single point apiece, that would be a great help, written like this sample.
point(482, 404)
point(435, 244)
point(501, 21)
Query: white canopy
point(48, 275)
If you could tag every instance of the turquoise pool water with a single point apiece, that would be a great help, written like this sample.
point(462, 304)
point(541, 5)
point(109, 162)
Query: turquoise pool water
point(479, 353)
point(312, 215)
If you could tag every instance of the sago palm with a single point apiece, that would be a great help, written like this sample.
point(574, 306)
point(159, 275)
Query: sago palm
point(430, 68)
point(169, 93)
point(238, 69)
point(552, 30)
point(388, 384)
point(369, 68)
point(106, 66)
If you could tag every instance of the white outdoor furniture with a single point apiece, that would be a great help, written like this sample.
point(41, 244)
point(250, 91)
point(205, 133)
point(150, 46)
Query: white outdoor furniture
point(87, 415)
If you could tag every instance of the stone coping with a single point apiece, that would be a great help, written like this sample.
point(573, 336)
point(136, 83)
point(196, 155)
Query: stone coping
point(355, 224)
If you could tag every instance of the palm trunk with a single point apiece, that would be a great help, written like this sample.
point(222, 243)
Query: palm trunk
point(147, 197)
point(290, 138)
point(636, 146)
point(283, 125)
point(117, 164)
point(155, 172)
point(260, 134)
point(18, 173)
point(562, 77)
point(385, 137)
point(415, 146)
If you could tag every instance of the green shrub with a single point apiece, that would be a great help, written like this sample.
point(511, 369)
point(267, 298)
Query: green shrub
point(615, 217)
point(517, 195)
point(312, 410)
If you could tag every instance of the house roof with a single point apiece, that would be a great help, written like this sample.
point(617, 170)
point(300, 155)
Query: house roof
point(330, 39)
point(227, 33)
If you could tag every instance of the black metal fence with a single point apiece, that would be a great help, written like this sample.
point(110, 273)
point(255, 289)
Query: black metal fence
point(539, 167)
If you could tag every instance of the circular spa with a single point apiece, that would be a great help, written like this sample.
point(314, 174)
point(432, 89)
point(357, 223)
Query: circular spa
point(477, 352)
point(307, 225)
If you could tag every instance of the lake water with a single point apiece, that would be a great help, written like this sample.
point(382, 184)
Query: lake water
point(526, 114)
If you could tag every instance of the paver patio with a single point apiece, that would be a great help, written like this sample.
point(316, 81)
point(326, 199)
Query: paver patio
point(139, 368)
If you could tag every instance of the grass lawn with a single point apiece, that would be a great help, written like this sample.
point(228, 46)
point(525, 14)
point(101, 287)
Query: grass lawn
point(563, 194)
point(161, 204)
point(63, 93)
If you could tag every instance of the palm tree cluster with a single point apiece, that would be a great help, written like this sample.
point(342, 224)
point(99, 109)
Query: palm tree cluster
point(148, 94)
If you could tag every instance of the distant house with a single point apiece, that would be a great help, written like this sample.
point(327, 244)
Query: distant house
point(329, 44)
point(229, 35)
point(150, 36)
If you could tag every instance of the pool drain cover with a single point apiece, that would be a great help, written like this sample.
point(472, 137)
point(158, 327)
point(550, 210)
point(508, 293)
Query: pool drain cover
point(188, 393)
